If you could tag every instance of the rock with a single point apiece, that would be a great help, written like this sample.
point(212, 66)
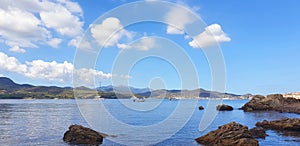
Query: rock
point(81, 135)
point(229, 134)
point(224, 107)
point(258, 132)
point(292, 124)
point(201, 108)
point(274, 102)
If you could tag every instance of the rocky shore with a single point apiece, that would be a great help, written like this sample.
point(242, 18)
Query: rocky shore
point(239, 135)
point(282, 124)
point(80, 135)
point(274, 102)
point(229, 134)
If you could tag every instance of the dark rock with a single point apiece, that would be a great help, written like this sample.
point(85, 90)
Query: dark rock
point(282, 124)
point(229, 134)
point(81, 135)
point(258, 132)
point(224, 107)
point(201, 108)
point(274, 102)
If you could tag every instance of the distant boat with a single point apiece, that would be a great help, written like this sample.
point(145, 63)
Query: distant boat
point(173, 99)
point(135, 99)
point(98, 98)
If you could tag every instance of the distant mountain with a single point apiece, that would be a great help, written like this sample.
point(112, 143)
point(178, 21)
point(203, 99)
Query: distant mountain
point(187, 94)
point(123, 89)
point(8, 84)
point(10, 89)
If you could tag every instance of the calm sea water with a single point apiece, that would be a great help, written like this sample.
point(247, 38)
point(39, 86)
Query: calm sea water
point(43, 122)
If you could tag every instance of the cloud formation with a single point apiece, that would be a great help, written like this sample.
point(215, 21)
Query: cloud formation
point(30, 23)
point(144, 44)
point(109, 32)
point(51, 71)
point(177, 19)
point(17, 49)
point(212, 36)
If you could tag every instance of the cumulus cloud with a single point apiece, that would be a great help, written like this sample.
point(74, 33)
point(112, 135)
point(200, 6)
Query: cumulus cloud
point(80, 43)
point(177, 19)
point(62, 20)
point(11, 64)
point(54, 42)
point(17, 49)
point(30, 23)
point(18, 27)
point(109, 32)
point(212, 36)
point(51, 71)
point(145, 44)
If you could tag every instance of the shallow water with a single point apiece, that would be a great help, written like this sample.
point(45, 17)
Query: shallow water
point(43, 122)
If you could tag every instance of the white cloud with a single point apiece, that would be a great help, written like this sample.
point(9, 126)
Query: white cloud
point(30, 23)
point(11, 64)
point(80, 43)
point(54, 42)
point(17, 49)
point(71, 6)
point(145, 44)
point(109, 32)
point(62, 20)
point(177, 19)
point(51, 71)
point(20, 28)
point(212, 36)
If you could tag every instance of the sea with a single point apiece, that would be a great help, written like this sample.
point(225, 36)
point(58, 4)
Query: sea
point(153, 122)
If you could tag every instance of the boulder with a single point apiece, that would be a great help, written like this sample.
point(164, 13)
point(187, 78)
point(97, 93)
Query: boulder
point(224, 107)
point(292, 124)
point(201, 108)
point(229, 134)
point(274, 102)
point(81, 135)
point(258, 132)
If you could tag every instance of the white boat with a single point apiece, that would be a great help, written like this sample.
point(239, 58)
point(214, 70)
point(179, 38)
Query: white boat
point(135, 99)
point(98, 98)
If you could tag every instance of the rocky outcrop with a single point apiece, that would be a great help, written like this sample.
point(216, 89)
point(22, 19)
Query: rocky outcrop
point(292, 124)
point(274, 102)
point(81, 135)
point(258, 132)
point(201, 108)
point(229, 134)
point(224, 107)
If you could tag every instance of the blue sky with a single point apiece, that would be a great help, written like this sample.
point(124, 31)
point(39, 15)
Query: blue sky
point(258, 39)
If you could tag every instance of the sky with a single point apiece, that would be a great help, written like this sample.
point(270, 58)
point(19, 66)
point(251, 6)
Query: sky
point(53, 43)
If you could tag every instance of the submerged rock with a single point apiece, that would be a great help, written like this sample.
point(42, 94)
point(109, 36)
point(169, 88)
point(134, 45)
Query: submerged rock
point(81, 135)
point(258, 132)
point(224, 107)
point(274, 102)
point(292, 124)
point(229, 134)
point(201, 108)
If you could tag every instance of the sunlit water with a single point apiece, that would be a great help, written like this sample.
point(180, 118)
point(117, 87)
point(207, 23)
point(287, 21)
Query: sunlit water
point(43, 122)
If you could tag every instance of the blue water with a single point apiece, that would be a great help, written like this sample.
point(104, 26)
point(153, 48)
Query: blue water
point(43, 122)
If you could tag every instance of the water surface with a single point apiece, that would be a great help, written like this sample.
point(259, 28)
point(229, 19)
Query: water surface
point(43, 122)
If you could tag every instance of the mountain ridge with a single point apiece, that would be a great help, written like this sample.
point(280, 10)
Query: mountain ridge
point(10, 89)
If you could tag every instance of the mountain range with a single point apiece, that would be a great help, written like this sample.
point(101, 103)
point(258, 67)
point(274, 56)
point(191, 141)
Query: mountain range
point(11, 90)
